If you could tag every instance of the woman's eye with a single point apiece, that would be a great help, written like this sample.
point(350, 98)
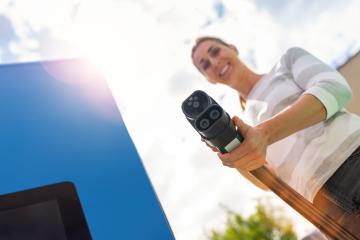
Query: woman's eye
point(214, 51)
point(206, 65)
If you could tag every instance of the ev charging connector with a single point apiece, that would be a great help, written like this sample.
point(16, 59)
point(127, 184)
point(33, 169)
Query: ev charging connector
point(211, 121)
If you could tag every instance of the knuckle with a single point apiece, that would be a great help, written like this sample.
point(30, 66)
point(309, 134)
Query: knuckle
point(257, 155)
point(247, 167)
point(252, 147)
point(226, 164)
point(238, 165)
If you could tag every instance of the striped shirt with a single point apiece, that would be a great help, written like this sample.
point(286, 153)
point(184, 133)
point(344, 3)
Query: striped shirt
point(306, 159)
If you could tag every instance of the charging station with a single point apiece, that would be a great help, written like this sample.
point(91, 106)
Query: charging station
point(66, 154)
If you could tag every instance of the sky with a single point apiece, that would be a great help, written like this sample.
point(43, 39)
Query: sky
point(143, 48)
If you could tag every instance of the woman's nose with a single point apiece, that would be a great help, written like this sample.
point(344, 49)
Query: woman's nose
point(214, 62)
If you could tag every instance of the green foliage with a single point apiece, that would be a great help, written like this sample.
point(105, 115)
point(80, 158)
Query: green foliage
point(264, 224)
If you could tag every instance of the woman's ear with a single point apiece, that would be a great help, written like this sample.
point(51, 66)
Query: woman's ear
point(234, 48)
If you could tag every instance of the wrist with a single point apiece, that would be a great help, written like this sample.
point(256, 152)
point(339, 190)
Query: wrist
point(265, 132)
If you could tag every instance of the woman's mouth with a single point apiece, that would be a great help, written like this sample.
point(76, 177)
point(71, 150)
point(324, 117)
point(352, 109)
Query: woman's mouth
point(224, 70)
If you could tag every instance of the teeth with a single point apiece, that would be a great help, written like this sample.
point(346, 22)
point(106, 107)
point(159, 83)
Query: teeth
point(223, 71)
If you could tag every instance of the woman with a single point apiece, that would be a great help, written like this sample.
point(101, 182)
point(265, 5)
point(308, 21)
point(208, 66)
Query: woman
point(296, 125)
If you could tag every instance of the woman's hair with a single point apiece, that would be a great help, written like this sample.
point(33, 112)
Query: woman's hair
point(205, 38)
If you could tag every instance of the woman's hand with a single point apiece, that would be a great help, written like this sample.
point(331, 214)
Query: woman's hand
point(251, 154)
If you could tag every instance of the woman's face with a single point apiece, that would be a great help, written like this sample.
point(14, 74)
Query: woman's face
point(217, 62)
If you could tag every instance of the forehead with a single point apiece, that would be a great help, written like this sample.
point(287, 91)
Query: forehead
point(202, 49)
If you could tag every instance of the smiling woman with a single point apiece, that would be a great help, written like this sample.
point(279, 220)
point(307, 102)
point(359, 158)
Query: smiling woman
point(222, 65)
point(296, 125)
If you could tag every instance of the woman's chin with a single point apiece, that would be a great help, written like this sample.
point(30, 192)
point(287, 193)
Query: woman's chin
point(225, 80)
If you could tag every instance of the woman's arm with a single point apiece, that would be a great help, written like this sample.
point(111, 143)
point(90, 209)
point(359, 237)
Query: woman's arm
point(317, 78)
point(325, 93)
point(251, 154)
point(309, 111)
point(305, 112)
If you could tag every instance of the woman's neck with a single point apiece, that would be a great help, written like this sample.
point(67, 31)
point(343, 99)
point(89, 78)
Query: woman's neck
point(246, 82)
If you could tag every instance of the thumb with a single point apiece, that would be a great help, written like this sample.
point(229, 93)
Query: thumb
point(242, 127)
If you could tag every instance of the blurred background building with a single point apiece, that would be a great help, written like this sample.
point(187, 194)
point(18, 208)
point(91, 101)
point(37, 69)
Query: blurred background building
point(351, 71)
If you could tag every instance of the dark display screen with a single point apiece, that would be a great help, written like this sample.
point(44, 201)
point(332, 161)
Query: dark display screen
point(40, 221)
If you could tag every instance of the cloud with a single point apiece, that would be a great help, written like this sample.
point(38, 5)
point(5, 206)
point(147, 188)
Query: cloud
point(6, 37)
point(36, 29)
point(325, 28)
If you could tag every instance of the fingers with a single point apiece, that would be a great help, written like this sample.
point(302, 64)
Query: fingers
point(224, 156)
point(249, 155)
point(243, 127)
point(227, 159)
point(245, 163)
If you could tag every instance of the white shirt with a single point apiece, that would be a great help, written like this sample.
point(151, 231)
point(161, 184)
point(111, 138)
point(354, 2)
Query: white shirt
point(306, 159)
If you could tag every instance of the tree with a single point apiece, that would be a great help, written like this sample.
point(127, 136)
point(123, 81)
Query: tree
point(261, 225)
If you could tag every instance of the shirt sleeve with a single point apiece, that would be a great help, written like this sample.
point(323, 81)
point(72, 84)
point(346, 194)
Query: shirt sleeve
point(318, 79)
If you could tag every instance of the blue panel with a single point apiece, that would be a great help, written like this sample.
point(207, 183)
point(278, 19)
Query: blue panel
point(59, 122)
